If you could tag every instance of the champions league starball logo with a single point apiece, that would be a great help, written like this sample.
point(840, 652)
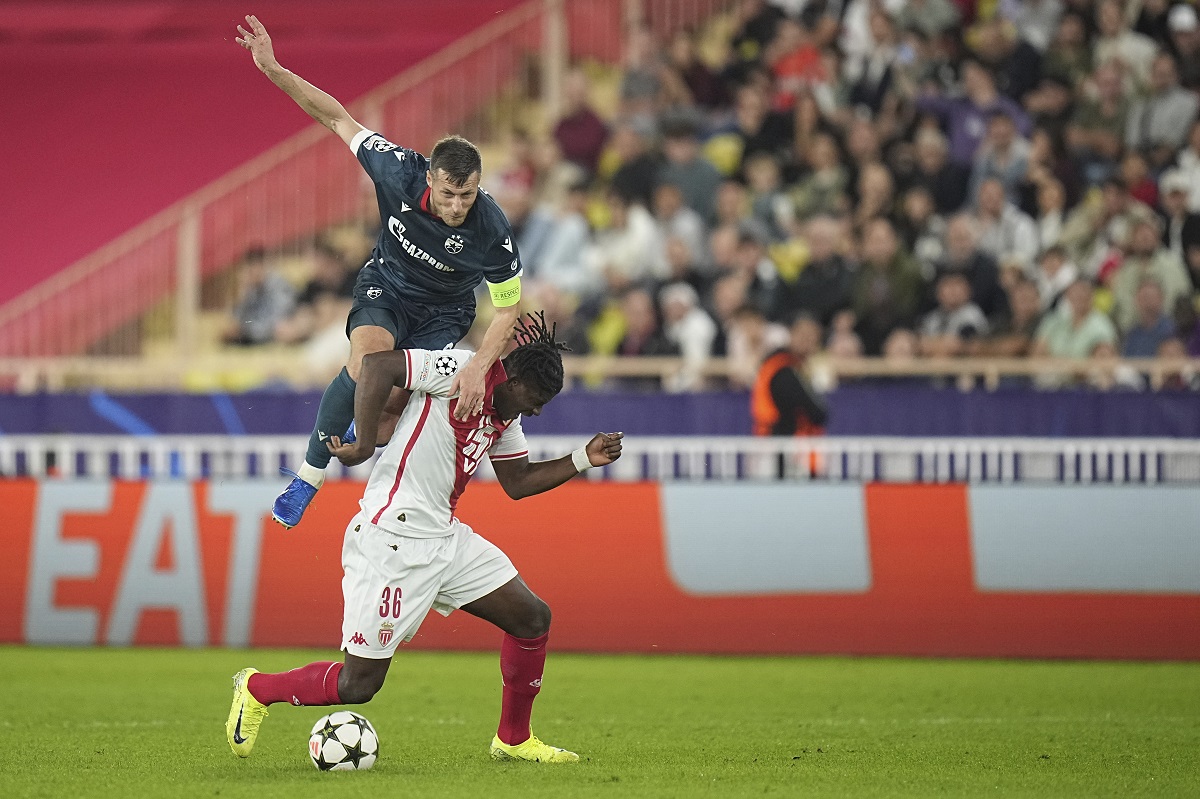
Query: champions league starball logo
point(454, 244)
point(445, 365)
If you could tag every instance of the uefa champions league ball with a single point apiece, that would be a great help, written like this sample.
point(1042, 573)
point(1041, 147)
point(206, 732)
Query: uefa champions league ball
point(343, 741)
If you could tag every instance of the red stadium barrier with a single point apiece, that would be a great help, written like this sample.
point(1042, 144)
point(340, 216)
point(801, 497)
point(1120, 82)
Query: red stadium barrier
point(885, 569)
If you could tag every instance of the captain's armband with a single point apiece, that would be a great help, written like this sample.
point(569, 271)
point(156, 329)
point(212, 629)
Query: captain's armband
point(506, 294)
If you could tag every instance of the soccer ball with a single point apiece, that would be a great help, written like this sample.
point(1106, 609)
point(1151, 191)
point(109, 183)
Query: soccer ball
point(343, 741)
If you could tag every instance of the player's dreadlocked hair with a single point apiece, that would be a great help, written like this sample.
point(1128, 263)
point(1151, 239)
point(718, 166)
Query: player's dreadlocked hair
point(537, 360)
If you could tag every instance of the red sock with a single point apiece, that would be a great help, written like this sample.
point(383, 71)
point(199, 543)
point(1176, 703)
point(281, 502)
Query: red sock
point(314, 684)
point(522, 661)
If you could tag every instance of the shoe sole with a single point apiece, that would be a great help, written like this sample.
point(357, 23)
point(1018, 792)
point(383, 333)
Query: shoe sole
point(281, 522)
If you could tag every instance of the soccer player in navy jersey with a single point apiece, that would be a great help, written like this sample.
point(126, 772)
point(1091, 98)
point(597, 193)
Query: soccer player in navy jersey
point(441, 236)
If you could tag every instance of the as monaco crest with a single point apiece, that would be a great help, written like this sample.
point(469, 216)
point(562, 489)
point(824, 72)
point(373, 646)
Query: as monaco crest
point(454, 244)
point(385, 632)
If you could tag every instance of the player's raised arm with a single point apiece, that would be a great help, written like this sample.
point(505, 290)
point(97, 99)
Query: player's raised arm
point(316, 103)
point(380, 372)
point(469, 383)
point(519, 478)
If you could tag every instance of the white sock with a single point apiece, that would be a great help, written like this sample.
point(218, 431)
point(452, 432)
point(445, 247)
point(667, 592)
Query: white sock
point(311, 474)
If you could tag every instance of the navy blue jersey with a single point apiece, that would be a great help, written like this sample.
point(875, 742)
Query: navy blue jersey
point(431, 261)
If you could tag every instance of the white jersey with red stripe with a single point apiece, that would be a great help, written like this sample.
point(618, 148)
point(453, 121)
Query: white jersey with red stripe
point(418, 478)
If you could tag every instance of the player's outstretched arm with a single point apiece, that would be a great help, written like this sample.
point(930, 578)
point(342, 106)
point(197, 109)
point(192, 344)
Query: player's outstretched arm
point(469, 382)
point(519, 478)
point(380, 372)
point(316, 103)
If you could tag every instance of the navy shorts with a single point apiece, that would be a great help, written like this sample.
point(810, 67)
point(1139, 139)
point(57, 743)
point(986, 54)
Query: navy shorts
point(426, 326)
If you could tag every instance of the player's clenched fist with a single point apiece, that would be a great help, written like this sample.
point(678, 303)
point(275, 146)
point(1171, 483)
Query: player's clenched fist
point(604, 448)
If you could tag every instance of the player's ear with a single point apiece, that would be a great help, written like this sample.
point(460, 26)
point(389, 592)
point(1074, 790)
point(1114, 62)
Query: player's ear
point(428, 178)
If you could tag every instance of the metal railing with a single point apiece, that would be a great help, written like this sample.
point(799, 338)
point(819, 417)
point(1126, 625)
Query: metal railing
point(287, 366)
point(723, 459)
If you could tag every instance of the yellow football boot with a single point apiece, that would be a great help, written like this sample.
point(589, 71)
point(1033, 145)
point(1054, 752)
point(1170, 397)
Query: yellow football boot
point(245, 715)
point(533, 751)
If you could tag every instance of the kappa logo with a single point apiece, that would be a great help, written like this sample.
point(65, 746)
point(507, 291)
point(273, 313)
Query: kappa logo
point(454, 244)
point(445, 365)
point(357, 638)
point(374, 293)
point(385, 632)
point(380, 144)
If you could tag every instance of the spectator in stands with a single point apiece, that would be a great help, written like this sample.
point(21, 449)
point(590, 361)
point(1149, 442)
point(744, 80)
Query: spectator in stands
point(1076, 328)
point(1106, 371)
point(1185, 43)
point(1070, 54)
point(752, 262)
point(825, 284)
point(887, 288)
point(1188, 163)
point(638, 170)
point(580, 133)
point(823, 189)
point(732, 204)
point(757, 127)
point(1100, 224)
point(929, 17)
point(264, 299)
point(947, 182)
point(769, 205)
point(921, 228)
point(565, 264)
point(1051, 206)
point(642, 86)
point(783, 401)
point(676, 220)
point(1146, 258)
point(1016, 64)
point(1055, 272)
point(980, 268)
point(1183, 377)
point(1003, 156)
point(1013, 334)
point(684, 167)
point(965, 118)
point(628, 251)
point(1152, 325)
point(749, 339)
point(950, 328)
point(1096, 133)
point(1135, 174)
point(876, 193)
point(1181, 228)
point(870, 74)
point(1159, 122)
point(706, 89)
point(691, 330)
point(1005, 232)
point(324, 300)
point(1034, 20)
point(644, 335)
point(1115, 42)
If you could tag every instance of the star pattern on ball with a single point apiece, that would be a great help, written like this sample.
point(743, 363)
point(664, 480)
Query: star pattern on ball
point(354, 753)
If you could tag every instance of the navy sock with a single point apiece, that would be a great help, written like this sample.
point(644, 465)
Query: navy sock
point(334, 415)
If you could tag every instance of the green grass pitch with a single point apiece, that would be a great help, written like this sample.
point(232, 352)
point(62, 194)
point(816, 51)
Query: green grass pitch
point(133, 723)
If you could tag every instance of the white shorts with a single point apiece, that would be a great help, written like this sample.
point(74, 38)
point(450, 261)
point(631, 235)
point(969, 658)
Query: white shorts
point(390, 582)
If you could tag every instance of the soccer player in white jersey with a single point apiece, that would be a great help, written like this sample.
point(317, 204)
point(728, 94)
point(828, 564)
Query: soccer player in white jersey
point(406, 552)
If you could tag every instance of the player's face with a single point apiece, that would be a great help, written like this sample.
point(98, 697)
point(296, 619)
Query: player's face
point(514, 398)
point(451, 202)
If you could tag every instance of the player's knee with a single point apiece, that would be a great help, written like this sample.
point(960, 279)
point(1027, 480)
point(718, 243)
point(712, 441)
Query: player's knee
point(536, 620)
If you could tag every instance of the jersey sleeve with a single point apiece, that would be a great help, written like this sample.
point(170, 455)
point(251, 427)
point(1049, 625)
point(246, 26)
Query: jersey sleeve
point(433, 371)
point(383, 160)
point(511, 444)
point(502, 270)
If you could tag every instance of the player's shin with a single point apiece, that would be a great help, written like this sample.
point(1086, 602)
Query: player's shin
point(522, 661)
point(314, 685)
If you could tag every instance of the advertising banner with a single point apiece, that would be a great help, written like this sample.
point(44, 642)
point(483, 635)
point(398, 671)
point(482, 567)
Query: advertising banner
point(953, 570)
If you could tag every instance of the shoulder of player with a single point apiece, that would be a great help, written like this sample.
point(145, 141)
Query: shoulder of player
point(491, 220)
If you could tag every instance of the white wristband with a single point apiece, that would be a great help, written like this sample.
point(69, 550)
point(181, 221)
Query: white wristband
point(580, 458)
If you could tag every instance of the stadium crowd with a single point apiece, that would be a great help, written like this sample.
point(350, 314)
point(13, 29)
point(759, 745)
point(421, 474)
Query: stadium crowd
point(905, 178)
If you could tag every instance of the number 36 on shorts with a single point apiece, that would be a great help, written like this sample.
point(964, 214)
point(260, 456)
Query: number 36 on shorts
point(389, 604)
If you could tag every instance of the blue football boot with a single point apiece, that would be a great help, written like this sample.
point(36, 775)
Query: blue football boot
point(291, 504)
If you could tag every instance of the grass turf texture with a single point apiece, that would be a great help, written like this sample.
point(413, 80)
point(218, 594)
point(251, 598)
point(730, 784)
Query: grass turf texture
point(95, 722)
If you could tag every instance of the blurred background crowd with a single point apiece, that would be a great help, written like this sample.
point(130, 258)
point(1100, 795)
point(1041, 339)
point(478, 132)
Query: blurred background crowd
point(908, 179)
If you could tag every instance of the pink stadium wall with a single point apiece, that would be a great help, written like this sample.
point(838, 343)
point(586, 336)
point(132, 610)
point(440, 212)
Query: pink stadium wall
point(1055, 571)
